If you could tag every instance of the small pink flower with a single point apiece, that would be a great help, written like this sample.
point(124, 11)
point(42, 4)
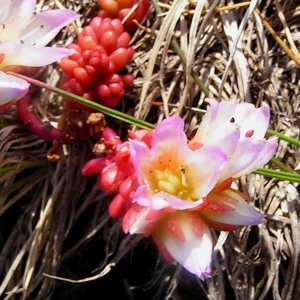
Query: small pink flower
point(184, 189)
point(239, 130)
point(23, 35)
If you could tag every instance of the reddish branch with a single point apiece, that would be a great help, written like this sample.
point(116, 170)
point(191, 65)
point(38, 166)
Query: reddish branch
point(46, 131)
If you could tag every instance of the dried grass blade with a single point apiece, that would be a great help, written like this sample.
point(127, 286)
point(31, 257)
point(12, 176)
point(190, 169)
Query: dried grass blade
point(234, 46)
point(38, 237)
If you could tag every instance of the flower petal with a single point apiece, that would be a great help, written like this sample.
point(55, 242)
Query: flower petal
point(205, 168)
point(194, 254)
point(169, 130)
point(138, 150)
point(248, 117)
point(154, 201)
point(250, 155)
point(23, 55)
point(240, 214)
point(169, 149)
point(45, 25)
point(14, 14)
point(218, 115)
point(12, 88)
point(140, 219)
point(225, 137)
point(179, 204)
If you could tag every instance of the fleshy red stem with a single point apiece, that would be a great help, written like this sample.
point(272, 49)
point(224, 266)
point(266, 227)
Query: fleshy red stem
point(46, 131)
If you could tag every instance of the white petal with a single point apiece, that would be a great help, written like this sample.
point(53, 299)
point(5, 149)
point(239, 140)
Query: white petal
point(194, 254)
point(242, 213)
point(219, 114)
point(44, 26)
point(249, 155)
point(23, 55)
point(12, 88)
point(14, 16)
point(248, 117)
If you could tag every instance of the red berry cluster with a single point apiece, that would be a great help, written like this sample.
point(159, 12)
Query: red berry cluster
point(115, 169)
point(102, 50)
point(122, 9)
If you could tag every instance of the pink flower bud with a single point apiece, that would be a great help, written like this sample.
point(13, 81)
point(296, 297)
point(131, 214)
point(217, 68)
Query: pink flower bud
point(118, 207)
point(110, 178)
point(95, 165)
point(123, 160)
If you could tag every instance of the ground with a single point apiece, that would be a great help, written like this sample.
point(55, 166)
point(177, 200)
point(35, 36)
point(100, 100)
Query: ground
point(54, 221)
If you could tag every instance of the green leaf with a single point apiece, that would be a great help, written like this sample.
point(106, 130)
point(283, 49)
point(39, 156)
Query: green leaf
point(22, 166)
point(37, 174)
point(284, 137)
point(108, 111)
point(278, 175)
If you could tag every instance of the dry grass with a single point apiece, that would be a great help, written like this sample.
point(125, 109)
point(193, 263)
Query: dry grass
point(54, 221)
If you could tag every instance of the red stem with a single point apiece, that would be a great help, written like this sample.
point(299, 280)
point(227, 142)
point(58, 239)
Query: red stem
point(46, 131)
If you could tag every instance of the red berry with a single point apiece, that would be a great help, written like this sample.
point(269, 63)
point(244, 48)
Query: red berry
point(125, 3)
point(104, 26)
point(102, 50)
point(110, 6)
point(86, 42)
point(109, 41)
point(117, 89)
point(118, 26)
point(92, 71)
point(103, 91)
point(121, 57)
point(130, 16)
point(82, 76)
point(109, 135)
point(110, 102)
point(142, 10)
point(76, 51)
point(68, 65)
point(95, 23)
point(123, 40)
point(86, 54)
point(127, 79)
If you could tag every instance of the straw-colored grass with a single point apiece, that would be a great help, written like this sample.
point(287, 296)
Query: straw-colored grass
point(54, 221)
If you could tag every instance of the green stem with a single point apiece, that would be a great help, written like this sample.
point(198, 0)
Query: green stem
point(109, 111)
point(281, 165)
point(284, 137)
point(278, 175)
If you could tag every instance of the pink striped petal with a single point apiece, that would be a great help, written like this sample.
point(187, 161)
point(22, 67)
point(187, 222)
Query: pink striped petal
point(241, 213)
point(194, 254)
point(137, 219)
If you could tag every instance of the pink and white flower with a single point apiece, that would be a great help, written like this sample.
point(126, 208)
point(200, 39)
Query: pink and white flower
point(23, 35)
point(184, 188)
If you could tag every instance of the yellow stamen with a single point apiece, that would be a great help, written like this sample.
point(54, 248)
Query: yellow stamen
point(167, 187)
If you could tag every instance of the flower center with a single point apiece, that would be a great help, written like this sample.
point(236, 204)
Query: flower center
point(171, 183)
